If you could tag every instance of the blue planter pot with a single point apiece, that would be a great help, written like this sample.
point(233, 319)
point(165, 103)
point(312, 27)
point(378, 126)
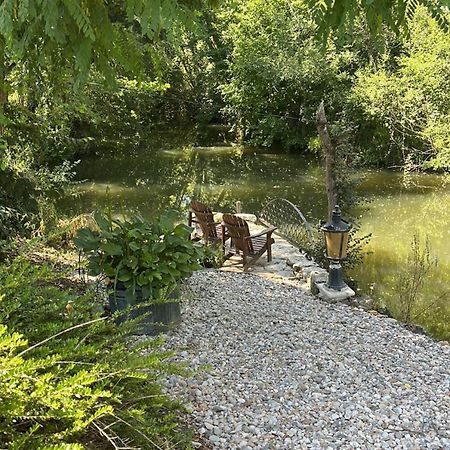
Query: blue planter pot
point(157, 318)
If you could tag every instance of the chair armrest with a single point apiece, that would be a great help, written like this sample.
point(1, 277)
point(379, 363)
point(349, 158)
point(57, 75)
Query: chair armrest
point(267, 231)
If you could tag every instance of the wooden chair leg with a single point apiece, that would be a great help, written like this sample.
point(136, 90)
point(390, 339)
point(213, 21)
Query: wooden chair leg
point(269, 251)
point(247, 263)
point(190, 223)
point(223, 238)
point(254, 258)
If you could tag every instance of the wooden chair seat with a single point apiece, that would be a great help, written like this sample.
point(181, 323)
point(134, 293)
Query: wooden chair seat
point(252, 246)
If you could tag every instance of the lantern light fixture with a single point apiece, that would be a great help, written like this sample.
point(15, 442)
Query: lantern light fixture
point(336, 234)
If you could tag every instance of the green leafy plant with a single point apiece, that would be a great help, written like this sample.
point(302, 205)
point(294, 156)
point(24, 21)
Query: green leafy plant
point(417, 270)
point(69, 379)
point(212, 257)
point(148, 256)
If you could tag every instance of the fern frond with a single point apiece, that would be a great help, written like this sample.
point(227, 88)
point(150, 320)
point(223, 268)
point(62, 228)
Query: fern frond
point(339, 14)
point(410, 8)
point(439, 10)
point(6, 18)
point(81, 18)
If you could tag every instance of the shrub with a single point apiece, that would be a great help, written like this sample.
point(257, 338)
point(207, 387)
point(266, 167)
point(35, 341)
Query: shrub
point(412, 278)
point(152, 256)
point(278, 74)
point(402, 110)
point(68, 378)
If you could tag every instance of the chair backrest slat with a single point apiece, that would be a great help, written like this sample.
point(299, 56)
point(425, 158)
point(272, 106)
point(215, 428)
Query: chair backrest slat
point(237, 229)
point(205, 219)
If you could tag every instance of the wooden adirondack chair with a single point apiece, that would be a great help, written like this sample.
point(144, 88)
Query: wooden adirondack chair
point(252, 246)
point(202, 216)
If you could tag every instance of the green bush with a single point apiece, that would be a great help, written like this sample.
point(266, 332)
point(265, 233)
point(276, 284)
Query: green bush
point(153, 256)
point(68, 377)
point(402, 109)
point(28, 194)
point(279, 74)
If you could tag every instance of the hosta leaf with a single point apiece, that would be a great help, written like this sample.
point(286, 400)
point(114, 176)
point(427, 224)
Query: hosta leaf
point(124, 277)
point(132, 262)
point(102, 221)
point(86, 240)
point(158, 247)
point(111, 249)
point(134, 246)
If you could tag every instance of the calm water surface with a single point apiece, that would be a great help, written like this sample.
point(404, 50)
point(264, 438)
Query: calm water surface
point(164, 173)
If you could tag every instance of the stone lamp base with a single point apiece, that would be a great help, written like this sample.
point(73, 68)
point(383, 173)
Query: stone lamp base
point(333, 296)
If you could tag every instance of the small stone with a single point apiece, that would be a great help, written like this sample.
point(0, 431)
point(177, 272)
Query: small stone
point(218, 408)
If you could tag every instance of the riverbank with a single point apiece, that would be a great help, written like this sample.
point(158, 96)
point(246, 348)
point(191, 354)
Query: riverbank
point(280, 369)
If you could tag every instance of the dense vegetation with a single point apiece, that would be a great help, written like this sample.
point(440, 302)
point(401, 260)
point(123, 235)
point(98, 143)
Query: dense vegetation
point(79, 78)
point(260, 67)
point(65, 384)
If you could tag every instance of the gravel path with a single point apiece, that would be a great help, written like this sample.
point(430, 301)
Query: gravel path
point(287, 371)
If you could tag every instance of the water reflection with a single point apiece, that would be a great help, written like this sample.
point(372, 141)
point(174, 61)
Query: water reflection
point(151, 180)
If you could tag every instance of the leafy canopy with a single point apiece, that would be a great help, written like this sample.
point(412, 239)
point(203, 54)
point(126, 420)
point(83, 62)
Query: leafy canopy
point(397, 15)
point(98, 32)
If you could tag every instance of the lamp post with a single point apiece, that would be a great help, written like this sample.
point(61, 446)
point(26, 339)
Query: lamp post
point(336, 239)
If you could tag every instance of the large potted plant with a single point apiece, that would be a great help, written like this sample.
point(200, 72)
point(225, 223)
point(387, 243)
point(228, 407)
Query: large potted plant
point(144, 262)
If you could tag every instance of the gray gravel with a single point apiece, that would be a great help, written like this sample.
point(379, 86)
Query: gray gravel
point(283, 370)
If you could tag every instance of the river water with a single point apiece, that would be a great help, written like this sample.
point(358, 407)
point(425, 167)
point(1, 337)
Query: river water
point(165, 174)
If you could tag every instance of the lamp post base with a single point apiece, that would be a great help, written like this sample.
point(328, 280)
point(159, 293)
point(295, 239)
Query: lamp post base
point(333, 296)
point(334, 290)
point(335, 280)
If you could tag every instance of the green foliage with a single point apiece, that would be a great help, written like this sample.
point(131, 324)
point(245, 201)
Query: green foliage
point(195, 70)
point(68, 377)
point(418, 267)
point(28, 192)
point(212, 256)
point(151, 256)
point(396, 15)
point(419, 293)
point(12, 222)
point(89, 33)
point(17, 203)
point(279, 74)
point(118, 120)
point(403, 112)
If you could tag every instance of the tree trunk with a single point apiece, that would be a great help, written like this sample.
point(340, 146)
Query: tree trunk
point(330, 158)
